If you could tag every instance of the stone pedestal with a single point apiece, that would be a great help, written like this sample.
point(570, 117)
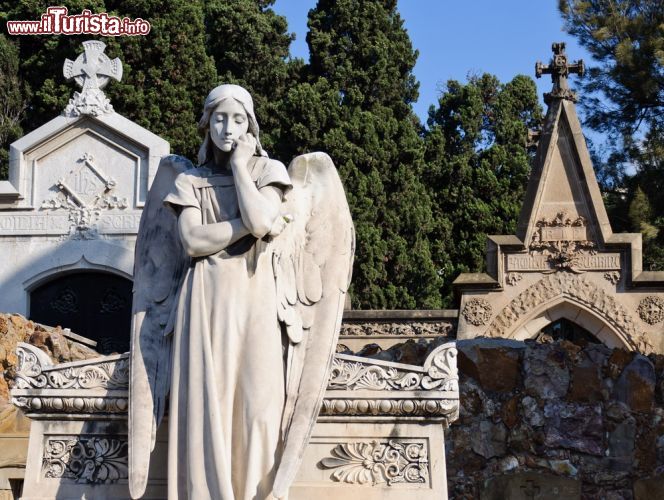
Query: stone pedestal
point(379, 435)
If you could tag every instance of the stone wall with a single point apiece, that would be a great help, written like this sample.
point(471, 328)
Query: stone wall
point(556, 420)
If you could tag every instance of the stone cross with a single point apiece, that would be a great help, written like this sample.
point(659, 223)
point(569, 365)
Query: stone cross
point(530, 490)
point(559, 68)
point(93, 69)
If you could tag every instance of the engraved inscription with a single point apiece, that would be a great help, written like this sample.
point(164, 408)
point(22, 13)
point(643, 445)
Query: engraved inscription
point(586, 262)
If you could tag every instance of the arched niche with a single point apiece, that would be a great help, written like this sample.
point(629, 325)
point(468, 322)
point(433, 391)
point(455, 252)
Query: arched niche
point(90, 302)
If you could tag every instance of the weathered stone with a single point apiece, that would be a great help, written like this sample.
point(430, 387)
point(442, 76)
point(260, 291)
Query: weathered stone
point(636, 384)
point(495, 368)
point(546, 374)
point(510, 412)
point(649, 489)
point(489, 440)
point(621, 440)
point(531, 485)
point(586, 384)
point(563, 467)
point(576, 427)
point(618, 360)
point(532, 412)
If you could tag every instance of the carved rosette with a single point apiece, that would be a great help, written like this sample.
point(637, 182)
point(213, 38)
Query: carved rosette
point(86, 459)
point(651, 309)
point(577, 289)
point(477, 311)
point(374, 463)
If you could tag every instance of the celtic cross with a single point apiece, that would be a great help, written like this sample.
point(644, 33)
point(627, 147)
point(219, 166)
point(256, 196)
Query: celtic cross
point(92, 71)
point(559, 68)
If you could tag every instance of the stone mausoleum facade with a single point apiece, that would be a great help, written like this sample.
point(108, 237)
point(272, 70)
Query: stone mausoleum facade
point(546, 383)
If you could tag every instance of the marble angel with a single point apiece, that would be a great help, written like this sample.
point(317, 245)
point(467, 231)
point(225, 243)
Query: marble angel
point(240, 278)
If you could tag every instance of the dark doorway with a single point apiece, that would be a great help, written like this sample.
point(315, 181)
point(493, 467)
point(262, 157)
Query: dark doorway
point(564, 329)
point(93, 304)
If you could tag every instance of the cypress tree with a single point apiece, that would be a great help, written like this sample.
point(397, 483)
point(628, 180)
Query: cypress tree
point(476, 148)
point(355, 103)
point(12, 98)
point(166, 73)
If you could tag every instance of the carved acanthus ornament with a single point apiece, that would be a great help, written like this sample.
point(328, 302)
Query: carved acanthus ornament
point(35, 371)
point(86, 459)
point(651, 309)
point(374, 463)
point(563, 240)
point(513, 278)
point(612, 277)
point(477, 311)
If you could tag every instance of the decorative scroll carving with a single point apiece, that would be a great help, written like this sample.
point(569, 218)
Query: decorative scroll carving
point(414, 407)
point(86, 460)
point(439, 373)
point(578, 289)
point(612, 277)
point(477, 311)
point(564, 240)
point(35, 372)
point(406, 329)
point(373, 463)
point(651, 309)
point(513, 278)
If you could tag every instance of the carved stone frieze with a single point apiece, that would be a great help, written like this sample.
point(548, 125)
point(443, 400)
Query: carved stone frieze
point(439, 373)
point(405, 329)
point(564, 240)
point(35, 371)
point(477, 311)
point(578, 289)
point(411, 407)
point(87, 405)
point(374, 463)
point(651, 309)
point(83, 459)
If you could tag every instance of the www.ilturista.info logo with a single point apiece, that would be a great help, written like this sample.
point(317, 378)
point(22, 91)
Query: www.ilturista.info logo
point(56, 21)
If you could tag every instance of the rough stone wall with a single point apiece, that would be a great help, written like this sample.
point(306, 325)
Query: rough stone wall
point(590, 414)
point(15, 328)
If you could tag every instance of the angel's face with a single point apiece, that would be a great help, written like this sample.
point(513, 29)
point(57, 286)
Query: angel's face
point(228, 122)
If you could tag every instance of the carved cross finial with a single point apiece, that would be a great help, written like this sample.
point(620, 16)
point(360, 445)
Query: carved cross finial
point(92, 71)
point(559, 68)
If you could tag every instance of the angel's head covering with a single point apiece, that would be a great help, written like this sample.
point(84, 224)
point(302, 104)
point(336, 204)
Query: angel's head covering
point(217, 95)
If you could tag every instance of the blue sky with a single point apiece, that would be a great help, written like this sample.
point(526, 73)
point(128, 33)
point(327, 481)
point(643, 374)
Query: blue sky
point(503, 37)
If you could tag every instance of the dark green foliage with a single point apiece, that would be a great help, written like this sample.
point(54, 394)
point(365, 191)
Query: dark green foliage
point(166, 73)
point(478, 165)
point(355, 104)
point(624, 98)
point(13, 99)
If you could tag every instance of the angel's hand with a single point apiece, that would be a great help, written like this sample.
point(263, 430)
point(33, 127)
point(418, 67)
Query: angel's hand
point(244, 149)
point(279, 225)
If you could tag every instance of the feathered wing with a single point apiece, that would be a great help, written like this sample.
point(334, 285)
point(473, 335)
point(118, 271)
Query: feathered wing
point(159, 265)
point(312, 262)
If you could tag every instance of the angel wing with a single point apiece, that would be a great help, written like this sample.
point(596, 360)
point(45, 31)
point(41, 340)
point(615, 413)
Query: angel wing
point(312, 262)
point(159, 265)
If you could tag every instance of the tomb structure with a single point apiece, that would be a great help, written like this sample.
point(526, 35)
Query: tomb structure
point(69, 213)
point(564, 263)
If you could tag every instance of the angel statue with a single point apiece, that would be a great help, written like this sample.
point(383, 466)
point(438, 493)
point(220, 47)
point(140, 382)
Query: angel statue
point(240, 277)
